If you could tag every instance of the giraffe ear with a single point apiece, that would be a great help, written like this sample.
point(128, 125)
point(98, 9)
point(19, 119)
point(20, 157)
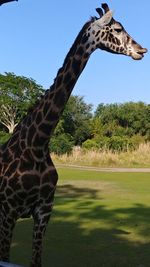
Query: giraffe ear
point(105, 19)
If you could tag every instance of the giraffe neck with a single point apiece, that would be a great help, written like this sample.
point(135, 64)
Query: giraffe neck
point(38, 125)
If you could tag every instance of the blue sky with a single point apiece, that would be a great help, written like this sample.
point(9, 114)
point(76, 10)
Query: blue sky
point(36, 36)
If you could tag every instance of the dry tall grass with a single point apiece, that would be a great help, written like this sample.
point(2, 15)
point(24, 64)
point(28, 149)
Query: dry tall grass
point(105, 158)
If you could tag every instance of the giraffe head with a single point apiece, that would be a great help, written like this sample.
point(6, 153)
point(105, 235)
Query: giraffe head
point(108, 34)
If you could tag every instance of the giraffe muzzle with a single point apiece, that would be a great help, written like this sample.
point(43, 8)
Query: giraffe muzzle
point(139, 54)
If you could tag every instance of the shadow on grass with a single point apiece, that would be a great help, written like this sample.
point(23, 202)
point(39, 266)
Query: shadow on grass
point(70, 191)
point(84, 233)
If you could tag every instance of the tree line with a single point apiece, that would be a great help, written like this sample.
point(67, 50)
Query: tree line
point(111, 126)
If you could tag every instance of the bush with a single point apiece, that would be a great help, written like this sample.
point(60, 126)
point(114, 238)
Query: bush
point(4, 137)
point(90, 144)
point(102, 141)
point(61, 144)
point(119, 143)
point(114, 143)
point(136, 140)
point(124, 143)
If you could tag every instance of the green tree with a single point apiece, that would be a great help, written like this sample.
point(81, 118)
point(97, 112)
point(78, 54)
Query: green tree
point(61, 144)
point(100, 109)
point(76, 119)
point(73, 127)
point(97, 128)
point(17, 94)
point(90, 144)
point(125, 119)
point(121, 125)
point(4, 137)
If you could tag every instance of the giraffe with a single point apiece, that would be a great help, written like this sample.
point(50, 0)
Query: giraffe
point(28, 177)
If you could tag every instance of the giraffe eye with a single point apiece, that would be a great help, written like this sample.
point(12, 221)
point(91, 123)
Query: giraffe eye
point(118, 30)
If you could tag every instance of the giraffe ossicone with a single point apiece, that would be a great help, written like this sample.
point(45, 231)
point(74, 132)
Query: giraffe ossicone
point(28, 177)
point(105, 19)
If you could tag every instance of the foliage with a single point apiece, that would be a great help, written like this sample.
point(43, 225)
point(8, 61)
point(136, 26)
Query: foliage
point(90, 144)
point(117, 127)
point(61, 144)
point(126, 119)
point(97, 128)
point(4, 137)
point(121, 126)
point(73, 127)
point(76, 118)
point(17, 94)
point(119, 143)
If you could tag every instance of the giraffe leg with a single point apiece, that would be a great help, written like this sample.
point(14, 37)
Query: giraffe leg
point(41, 219)
point(1, 234)
point(6, 230)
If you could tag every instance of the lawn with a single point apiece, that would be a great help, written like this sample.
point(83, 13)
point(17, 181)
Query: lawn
point(99, 220)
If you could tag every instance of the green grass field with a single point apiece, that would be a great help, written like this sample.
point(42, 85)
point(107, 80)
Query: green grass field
point(99, 220)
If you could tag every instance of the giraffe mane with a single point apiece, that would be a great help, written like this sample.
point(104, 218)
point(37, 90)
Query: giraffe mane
point(78, 38)
point(71, 51)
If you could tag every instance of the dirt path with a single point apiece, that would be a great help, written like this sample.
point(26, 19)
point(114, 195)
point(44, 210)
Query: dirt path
point(103, 169)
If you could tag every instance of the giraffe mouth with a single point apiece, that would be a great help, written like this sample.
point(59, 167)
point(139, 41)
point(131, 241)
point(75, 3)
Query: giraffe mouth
point(139, 54)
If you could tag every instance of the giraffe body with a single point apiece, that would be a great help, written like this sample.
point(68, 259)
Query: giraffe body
point(28, 177)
